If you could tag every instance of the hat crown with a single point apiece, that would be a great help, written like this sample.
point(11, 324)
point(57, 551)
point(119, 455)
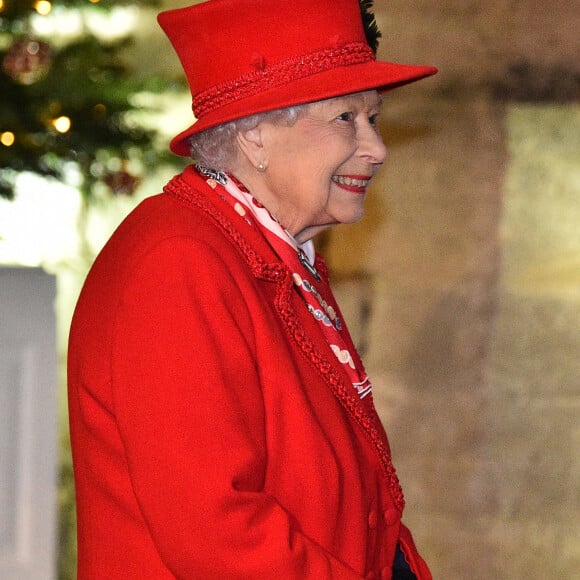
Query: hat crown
point(219, 41)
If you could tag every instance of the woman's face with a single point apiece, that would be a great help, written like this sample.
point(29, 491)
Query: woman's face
point(318, 170)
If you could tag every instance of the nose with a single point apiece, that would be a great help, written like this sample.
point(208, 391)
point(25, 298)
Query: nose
point(371, 146)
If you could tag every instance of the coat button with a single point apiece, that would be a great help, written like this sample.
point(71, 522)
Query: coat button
point(386, 572)
point(390, 516)
point(373, 518)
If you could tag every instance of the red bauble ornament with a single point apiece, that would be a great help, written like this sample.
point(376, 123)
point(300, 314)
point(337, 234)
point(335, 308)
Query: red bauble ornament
point(121, 182)
point(27, 60)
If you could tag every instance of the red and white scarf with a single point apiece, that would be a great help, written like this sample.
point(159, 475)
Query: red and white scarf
point(300, 259)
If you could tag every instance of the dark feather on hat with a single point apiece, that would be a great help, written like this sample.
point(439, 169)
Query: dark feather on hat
point(372, 31)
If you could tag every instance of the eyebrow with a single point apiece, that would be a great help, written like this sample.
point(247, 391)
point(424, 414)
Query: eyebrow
point(378, 101)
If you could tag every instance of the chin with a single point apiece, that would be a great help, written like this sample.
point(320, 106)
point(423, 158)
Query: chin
point(353, 217)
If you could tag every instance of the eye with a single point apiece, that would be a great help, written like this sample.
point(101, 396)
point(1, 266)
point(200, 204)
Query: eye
point(348, 117)
point(374, 119)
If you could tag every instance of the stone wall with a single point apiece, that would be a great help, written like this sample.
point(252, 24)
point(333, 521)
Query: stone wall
point(475, 363)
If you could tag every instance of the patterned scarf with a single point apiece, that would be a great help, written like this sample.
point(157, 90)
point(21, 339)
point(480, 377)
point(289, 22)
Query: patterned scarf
point(300, 259)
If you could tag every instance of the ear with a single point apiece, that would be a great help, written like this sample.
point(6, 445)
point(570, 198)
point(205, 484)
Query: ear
point(251, 145)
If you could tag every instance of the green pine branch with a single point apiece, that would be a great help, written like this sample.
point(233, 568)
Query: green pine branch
point(86, 81)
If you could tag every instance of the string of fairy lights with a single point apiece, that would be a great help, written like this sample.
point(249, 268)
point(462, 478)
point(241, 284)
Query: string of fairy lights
point(68, 95)
point(30, 52)
point(26, 62)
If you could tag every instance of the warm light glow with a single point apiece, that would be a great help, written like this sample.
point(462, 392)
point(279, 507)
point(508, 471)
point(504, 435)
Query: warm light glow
point(38, 227)
point(7, 138)
point(1, 5)
point(94, 1)
point(43, 7)
point(70, 23)
point(62, 124)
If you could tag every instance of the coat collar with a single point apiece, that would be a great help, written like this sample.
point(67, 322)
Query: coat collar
point(195, 190)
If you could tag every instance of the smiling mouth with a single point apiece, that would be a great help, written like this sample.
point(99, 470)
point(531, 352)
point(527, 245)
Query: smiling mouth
point(355, 183)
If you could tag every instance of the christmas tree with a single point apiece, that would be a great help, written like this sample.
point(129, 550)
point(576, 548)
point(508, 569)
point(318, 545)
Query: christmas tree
point(67, 94)
point(71, 110)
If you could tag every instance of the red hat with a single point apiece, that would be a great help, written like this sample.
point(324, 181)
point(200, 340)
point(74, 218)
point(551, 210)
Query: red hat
point(243, 57)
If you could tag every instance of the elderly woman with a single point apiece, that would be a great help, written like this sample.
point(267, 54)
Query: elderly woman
point(222, 423)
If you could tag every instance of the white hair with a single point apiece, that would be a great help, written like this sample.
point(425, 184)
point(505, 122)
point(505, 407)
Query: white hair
point(216, 147)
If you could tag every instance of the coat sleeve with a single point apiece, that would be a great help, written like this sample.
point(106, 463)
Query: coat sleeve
point(412, 556)
point(189, 409)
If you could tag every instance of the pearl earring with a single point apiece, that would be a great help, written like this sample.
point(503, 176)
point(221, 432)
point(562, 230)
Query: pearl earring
point(261, 167)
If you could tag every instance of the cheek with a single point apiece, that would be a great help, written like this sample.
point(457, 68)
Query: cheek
point(330, 161)
point(330, 149)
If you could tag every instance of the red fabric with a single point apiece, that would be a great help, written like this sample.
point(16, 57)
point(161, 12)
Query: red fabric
point(214, 433)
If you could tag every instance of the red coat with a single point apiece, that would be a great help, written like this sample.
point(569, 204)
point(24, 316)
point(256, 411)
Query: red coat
point(214, 433)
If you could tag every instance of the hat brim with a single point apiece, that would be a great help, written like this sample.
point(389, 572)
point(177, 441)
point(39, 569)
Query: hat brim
point(381, 76)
